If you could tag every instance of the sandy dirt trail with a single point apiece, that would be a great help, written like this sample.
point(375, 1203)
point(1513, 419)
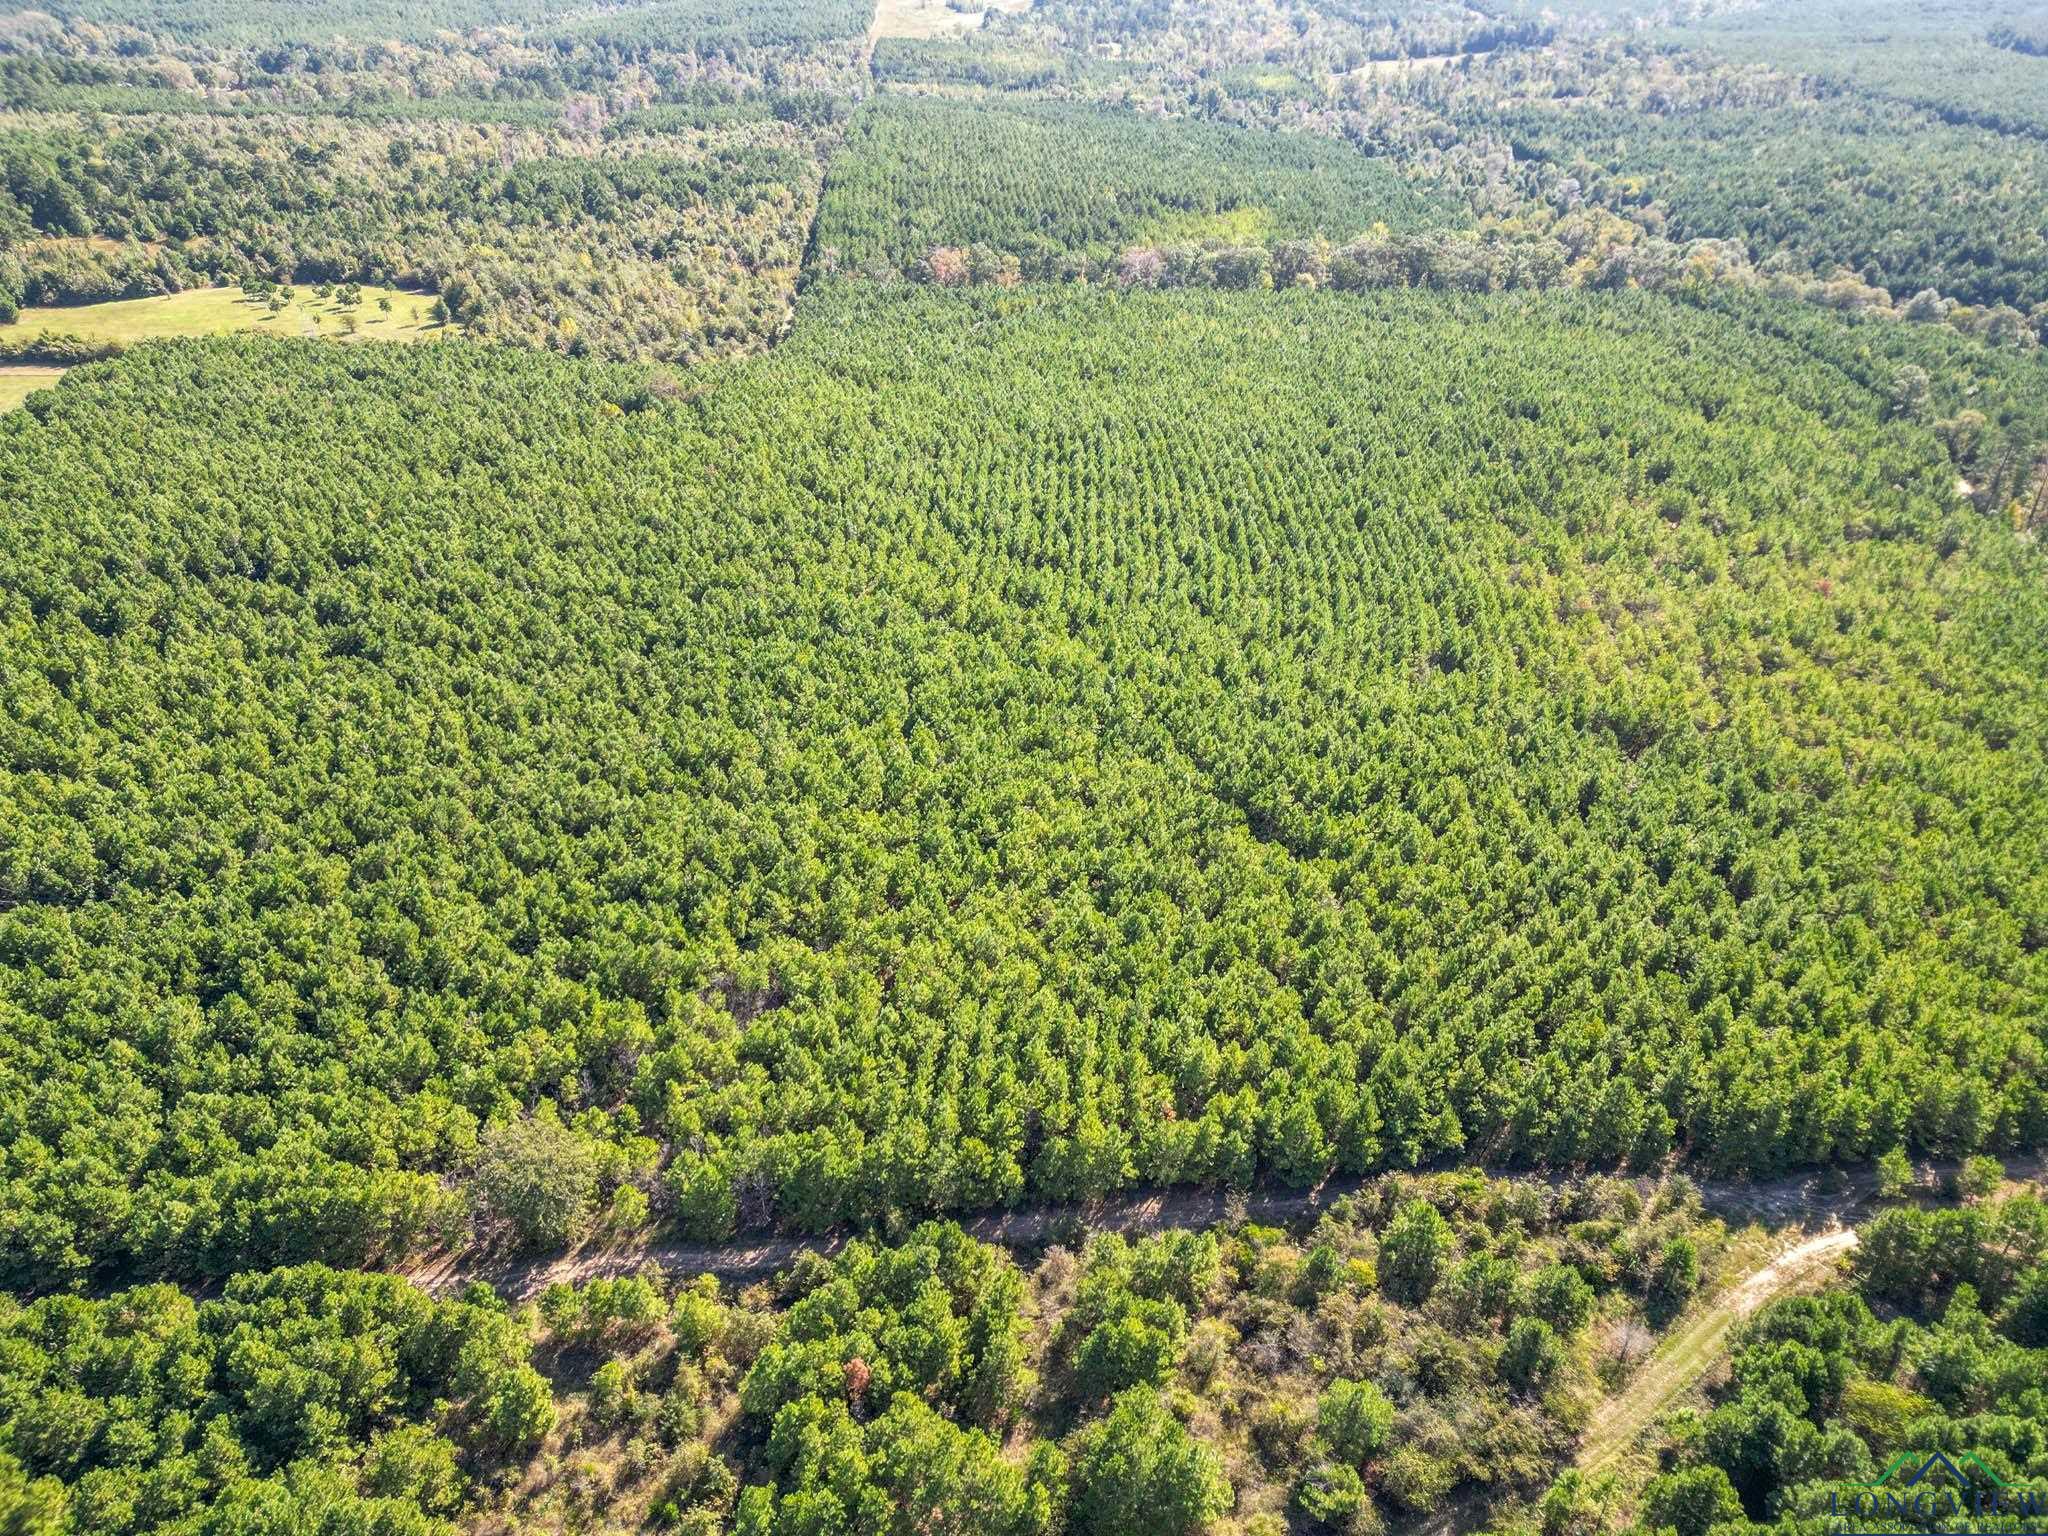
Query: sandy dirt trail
point(1806, 1202)
point(1693, 1348)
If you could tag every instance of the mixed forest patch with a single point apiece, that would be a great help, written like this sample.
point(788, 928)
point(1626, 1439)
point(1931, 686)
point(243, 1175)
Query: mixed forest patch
point(634, 236)
point(1908, 201)
point(1426, 1345)
point(1955, 60)
point(702, 25)
point(1937, 1348)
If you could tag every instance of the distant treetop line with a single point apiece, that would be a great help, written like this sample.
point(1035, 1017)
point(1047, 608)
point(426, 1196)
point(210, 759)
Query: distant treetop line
point(704, 25)
point(1060, 141)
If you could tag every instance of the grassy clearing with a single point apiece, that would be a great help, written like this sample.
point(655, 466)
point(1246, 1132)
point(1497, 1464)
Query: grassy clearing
point(1396, 69)
point(211, 311)
point(1238, 226)
point(17, 383)
point(1776, 1268)
point(933, 18)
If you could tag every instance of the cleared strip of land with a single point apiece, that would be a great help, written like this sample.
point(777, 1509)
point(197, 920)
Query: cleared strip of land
point(1822, 1202)
point(212, 311)
point(1690, 1350)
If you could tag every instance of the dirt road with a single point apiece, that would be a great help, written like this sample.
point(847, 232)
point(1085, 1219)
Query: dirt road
point(1024, 1228)
point(1690, 1350)
point(1807, 1201)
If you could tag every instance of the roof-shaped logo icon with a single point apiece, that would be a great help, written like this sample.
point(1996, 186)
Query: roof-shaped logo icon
point(1920, 1469)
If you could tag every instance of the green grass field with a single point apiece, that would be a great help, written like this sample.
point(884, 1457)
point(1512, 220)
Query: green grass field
point(210, 311)
point(17, 383)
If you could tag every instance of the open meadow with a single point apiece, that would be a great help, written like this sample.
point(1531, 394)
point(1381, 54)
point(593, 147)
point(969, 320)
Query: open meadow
point(218, 311)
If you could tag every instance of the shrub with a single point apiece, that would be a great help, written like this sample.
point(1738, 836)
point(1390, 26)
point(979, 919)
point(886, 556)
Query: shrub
point(1331, 1494)
point(538, 1178)
point(1354, 1420)
point(1413, 1252)
point(1531, 1356)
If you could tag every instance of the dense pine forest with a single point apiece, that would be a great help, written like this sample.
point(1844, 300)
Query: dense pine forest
point(1190, 766)
point(1004, 748)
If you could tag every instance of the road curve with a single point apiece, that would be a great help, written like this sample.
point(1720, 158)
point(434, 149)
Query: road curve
point(1689, 1351)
